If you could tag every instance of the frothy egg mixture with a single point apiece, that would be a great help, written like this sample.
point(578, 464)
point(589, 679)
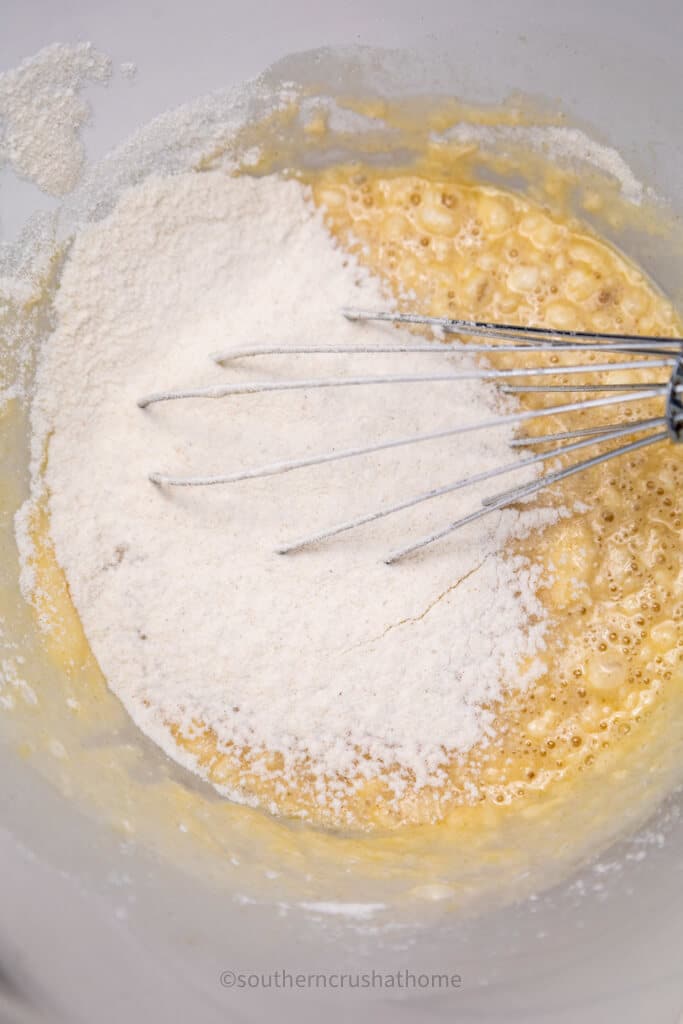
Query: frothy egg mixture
point(326, 685)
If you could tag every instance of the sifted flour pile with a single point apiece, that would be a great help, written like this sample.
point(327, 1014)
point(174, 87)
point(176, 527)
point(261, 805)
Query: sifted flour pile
point(339, 665)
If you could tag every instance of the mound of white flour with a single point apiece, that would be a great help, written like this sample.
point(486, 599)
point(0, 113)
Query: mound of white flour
point(192, 617)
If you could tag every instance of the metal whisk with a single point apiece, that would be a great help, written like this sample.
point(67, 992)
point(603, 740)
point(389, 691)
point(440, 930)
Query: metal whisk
point(652, 353)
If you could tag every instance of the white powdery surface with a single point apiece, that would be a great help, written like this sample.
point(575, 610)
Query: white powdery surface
point(192, 617)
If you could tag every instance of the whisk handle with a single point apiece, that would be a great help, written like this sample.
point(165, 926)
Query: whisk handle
point(674, 402)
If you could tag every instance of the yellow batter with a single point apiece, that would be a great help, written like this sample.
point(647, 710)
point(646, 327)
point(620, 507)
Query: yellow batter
point(615, 652)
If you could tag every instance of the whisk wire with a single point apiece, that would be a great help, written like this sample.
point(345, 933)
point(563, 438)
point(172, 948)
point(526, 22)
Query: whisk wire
point(510, 419)
point(467, 481)
point(256, 387)
point(511, 497)
point(524, 333)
